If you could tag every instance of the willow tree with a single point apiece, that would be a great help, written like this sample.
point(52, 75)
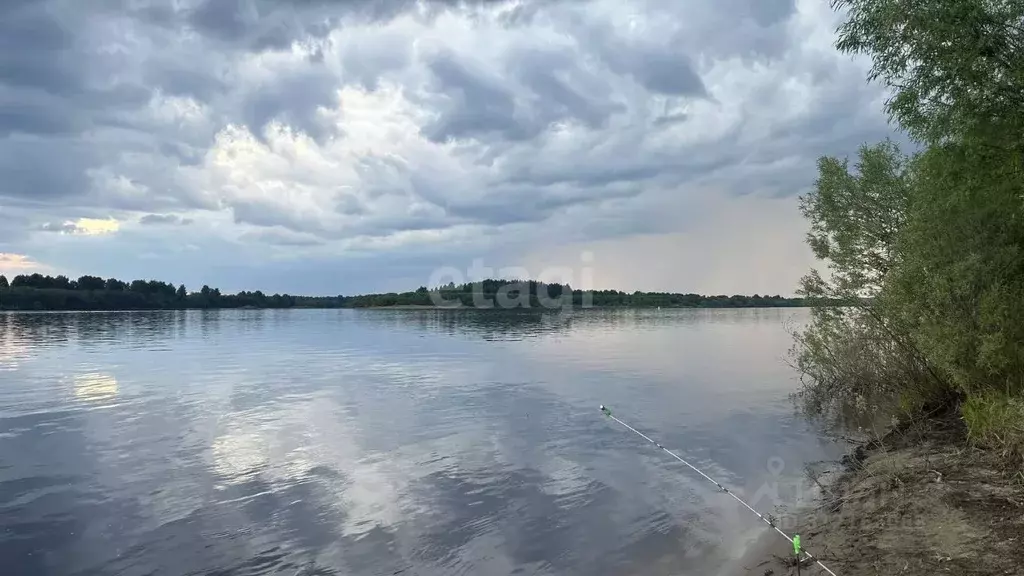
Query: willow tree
point(855, 218)
point(955, 67)
point(860, 352)
point(928, 251)
point(961, 286)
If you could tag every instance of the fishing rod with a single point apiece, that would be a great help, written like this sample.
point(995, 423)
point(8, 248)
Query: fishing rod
point(795, 541)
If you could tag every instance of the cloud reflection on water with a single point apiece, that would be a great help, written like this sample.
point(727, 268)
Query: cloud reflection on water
point(368, 442)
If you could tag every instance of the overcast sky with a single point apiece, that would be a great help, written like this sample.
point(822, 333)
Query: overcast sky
point(329, 146)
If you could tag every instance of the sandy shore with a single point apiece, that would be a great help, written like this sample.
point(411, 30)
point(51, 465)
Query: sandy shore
point(919, 502)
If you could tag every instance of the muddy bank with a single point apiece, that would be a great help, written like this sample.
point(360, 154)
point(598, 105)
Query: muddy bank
point(920, 501)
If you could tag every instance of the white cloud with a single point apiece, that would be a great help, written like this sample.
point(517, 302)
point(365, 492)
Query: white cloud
point(95, 226)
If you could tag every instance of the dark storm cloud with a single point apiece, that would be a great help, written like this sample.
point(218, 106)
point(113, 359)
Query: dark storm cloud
point(293, 99)
point(303, 228)
point(30, 25)
point(32, 174)
point(482, 104)
point(671, 118)
point(13, 227)
point(269, 214)
point(181, 78)
point(623, 164)
point(279, 238)
point(22, 112)
point(764, 12)
point(349, 205)
point(275, 24)
point(46, 52)
point(661, 68)
point(665, 73)
point(562, 90)
point(55, 85)
point(478, 104)
point(609, 174)
point(229, 19)
point(760, 30)
point(526, 205)
point(38, 72)
point(245, 25)
point(723, 28)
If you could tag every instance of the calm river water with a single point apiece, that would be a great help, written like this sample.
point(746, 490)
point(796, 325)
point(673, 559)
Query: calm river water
point(376, 442)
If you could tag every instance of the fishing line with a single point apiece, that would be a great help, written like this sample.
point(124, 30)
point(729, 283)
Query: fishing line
point(796, 543)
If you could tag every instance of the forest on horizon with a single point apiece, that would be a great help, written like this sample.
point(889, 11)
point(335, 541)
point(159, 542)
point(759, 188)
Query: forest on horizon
point(40, 292)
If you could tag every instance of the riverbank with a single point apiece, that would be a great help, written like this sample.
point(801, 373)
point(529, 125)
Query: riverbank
point(918, 502)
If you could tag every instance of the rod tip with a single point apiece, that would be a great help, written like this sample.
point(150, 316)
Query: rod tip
point(602, 408)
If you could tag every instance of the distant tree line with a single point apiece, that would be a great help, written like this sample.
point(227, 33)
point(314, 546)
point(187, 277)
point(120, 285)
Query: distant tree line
point(39, 292)
point(532, 294)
